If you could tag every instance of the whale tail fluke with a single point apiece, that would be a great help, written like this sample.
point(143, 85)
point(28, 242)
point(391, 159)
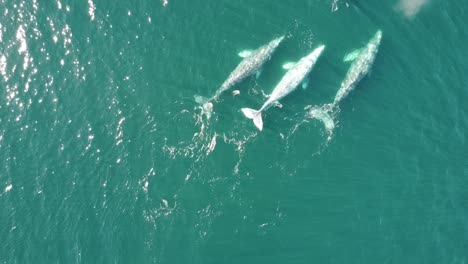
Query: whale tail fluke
point(255, 115)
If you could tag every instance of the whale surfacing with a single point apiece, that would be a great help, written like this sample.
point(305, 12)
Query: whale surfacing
point(250, 65)
point(288, 83)
point(359, 68)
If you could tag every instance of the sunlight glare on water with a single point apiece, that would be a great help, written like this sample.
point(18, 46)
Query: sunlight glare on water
point(107, 157)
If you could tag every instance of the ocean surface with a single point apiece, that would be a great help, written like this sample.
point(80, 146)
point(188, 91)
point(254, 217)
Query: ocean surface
point(106, 157)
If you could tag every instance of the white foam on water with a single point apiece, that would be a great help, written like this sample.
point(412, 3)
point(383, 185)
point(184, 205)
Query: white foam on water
point(164, 209)
point(198, 148)
point(240, 146)
point(145, 180)
point(8, 188)
point(212, 145)
point(120, 133)
point(335, 5)
point(3, 66)
point(327, 114)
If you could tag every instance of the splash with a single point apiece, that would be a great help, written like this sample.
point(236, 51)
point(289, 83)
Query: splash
point(301, 120)
point(410, 8)
point(203, 141)
point(240, 147)
point(335, 7)
point(164, 209)
point(205, 138)
point(325, 113)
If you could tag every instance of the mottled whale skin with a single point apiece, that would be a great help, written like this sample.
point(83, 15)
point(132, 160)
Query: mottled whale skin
point(288, 83)
point(247, 67)
point(359, 68)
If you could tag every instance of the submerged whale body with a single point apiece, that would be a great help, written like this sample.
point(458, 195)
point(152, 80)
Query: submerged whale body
point(288, 83)
point(250, 65)
point(359, 68)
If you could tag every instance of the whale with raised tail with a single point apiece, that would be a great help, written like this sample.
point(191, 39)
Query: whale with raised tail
point(252, 62)
point(288, 83)
point(363, 61)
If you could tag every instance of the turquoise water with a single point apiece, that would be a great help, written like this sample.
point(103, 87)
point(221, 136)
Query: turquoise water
point(106, 158)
